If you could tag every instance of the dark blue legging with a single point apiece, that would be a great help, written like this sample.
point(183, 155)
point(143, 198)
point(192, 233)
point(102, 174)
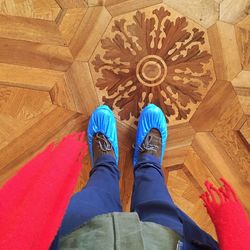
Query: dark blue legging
point(150, 198)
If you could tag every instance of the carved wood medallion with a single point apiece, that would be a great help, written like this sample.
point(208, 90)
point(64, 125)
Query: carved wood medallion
point(153, 56)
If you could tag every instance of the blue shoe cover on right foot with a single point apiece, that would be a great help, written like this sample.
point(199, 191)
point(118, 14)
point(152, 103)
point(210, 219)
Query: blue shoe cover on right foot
point(151, 117)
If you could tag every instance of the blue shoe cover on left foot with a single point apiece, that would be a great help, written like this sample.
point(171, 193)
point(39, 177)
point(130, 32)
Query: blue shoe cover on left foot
point(103, 120)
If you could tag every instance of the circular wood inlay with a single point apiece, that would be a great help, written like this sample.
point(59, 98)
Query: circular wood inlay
point(151, 70)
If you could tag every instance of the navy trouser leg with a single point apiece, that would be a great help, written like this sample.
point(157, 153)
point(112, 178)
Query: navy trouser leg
point(100, 196)
point(150, 198)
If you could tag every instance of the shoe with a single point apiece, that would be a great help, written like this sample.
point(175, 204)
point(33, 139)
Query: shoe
point(151, 134)
point(101, 146)
point(102, 134)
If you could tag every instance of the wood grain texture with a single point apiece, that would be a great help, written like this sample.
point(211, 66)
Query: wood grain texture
point(69, 22)
point(233, 11)
point(26, 29)
point(204, 12)
point(175, 157)
point(241, 84)
point(71, 4)
point(31, 141)
point(213, 106)
point(35, 55)
point(79, 83)
point(198, 169)
point(61, 96)
point(20, 108)
point(243, 39)
point(21, 103)
point(29, 78)
point(117, 8)
point(38, 9)
point(224, 50)
point(90, 30)
point(245, 130)
point(180, 136)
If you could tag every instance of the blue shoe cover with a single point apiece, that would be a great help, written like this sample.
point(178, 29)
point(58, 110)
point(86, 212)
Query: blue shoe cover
point(151, 117)
point(103, 120)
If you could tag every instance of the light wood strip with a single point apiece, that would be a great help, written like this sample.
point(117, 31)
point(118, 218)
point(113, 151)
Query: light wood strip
point(71, 4)
point(35, 55)
point(80, 85)
point(39, 9)
point(180, 136)
point(242, 80)
point(245, 130)
point(32, 30)
point(61, 95)
point(233, 11)
point(213, 106)
point(89, 32)
point(69, 22)
point(30, 78)
point(244, 98)
point(242, 87)
point(175, 157)
point(224, 50)
point(203, 12)
point(198, 169)
point(242, 30)
point(117, 8)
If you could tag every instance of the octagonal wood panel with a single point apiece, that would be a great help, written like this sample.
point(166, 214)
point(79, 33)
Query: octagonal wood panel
point(153, 55)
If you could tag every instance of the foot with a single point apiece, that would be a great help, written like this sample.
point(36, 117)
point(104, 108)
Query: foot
point(151, 145)
point(151, 134)
point(101, 146)
point(102, 134)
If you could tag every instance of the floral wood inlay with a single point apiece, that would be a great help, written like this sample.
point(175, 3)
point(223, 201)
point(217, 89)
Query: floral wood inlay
point(155, 58)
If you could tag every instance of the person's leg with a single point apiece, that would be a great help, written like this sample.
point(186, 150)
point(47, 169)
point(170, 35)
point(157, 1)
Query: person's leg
point(153, 203)
point(150, 198)
point(101, 195)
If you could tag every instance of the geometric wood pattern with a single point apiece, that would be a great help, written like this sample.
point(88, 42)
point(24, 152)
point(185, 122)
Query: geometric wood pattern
point(233, 13)
point(224, 50)
point(39, 9)
point(243, 38)
point(60, 59)
point(245, 130)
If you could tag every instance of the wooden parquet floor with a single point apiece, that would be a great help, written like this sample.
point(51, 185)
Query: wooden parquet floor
point(60, 59)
